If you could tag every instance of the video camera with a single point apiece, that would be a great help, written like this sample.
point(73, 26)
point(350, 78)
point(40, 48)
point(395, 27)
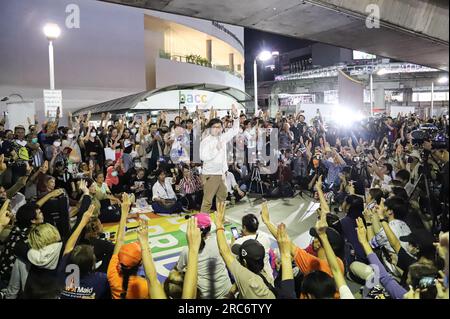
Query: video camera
point(427, 132)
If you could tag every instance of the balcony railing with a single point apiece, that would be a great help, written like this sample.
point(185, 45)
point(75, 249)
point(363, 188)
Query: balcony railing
point(198, 60)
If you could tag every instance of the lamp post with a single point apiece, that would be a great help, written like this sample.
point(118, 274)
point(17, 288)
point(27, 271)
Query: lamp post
point(262, 56)
point(52, 32)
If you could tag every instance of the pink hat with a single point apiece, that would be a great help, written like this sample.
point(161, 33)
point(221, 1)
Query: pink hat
point(203, 220)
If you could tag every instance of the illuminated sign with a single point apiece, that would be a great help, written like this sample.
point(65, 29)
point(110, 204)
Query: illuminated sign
point(191, 98)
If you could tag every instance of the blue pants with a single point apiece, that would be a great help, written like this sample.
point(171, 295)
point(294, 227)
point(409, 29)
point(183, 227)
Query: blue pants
point(174, 209)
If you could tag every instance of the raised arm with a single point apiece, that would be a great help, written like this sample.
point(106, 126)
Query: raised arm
point(224, 249)
point(155, 289)
point(125, 208)
point(72, 241)
point(272, 228)
point(321, 227)
point(190, 278)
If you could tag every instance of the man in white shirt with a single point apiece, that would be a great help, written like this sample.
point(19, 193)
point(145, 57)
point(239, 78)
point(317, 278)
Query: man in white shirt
point(164, 198)
point(232, 187)
point(250, 226)
point(213, 153)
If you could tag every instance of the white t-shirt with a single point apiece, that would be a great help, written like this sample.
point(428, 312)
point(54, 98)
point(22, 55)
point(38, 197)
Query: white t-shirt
point(263, 240)
point(163, 191)
point(213, 281)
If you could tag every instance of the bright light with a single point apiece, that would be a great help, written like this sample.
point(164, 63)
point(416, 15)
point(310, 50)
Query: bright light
point(264, 56)
point(51, 31)
point(275, 53)
point(345, 117)
point(443, 80)
point(381, 71)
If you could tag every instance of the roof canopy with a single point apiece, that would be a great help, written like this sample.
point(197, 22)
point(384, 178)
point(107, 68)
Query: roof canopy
point(143, 100)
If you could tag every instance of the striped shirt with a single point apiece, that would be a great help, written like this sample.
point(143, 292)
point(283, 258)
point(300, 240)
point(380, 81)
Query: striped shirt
point(190, 185)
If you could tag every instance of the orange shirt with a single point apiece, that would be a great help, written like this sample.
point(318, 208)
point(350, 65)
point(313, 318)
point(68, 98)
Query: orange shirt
point(137, 286)
point(308, 263)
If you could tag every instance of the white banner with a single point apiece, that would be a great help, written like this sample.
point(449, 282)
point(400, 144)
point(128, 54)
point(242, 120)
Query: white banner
point(52, 100)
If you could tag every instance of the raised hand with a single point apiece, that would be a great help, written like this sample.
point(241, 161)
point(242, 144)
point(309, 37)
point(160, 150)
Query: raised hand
point(126, 201)
point(4, 214)
point(142, 232)
point(284, 243)
point(321, 224)
point(193, 234)
point(57, 192)
point(361, 231)
point(83, 187)
point(220, 214)
point(88, 214)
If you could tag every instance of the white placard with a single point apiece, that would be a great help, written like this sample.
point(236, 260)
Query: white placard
point(18, 112)
point(52, 100)
point(110, 154)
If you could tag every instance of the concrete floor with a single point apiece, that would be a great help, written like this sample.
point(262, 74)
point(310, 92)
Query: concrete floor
point(297, 213)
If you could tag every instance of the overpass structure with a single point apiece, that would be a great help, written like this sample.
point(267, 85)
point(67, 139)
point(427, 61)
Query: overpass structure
point(413, 31)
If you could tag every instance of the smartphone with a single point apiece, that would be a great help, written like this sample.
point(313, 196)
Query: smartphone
point(235, 232)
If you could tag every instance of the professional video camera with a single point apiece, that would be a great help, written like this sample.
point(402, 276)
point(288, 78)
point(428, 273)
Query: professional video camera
point(439, 139)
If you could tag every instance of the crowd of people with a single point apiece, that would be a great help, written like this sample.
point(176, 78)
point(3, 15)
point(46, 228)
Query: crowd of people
point(382, 185)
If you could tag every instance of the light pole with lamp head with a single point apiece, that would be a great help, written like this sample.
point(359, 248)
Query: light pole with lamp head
point(262, 56)
point(52, 32)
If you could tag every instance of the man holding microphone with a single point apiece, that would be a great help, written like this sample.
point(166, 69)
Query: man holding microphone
point(213, 153)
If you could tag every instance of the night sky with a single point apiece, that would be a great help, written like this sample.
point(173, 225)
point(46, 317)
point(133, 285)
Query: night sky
point(257, 41)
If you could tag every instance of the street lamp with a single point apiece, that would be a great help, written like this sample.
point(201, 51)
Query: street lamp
point(262, 56)
point(441, 80)
point(52, 32)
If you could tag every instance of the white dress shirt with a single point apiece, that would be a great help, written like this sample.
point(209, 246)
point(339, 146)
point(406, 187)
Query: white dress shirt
point(214, 159)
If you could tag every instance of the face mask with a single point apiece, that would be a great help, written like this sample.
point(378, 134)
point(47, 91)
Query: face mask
point(34, 140)
point(138, 164)
point(93, 134)
point(133, 130)
point(133, 154)
point(70, 135)
point(56, 144)
point(114, 174)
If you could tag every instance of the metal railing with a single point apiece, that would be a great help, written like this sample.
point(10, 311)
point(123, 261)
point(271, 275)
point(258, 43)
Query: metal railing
point(197, 60)
point(367, 69)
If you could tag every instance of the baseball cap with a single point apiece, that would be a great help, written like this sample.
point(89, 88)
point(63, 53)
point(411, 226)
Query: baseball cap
point(203, 220)
point(250, 250)
point(420, 238)
point(130, 255)
point(335, 239)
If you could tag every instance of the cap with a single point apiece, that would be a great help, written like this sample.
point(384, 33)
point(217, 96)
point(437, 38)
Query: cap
point(203, 220)
point(335, 239)
point(250, 249)
point(420, 238)
point(130, 255)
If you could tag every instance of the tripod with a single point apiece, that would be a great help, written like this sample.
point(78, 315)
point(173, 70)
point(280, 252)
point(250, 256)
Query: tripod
point(256, 178)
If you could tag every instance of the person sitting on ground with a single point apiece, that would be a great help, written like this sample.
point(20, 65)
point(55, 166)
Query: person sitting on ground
point(123, 268)
point(248, 270)
point(235, 194)
point(190, 188)
point(250, 225)
point(213, 280)
point(164, 198)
